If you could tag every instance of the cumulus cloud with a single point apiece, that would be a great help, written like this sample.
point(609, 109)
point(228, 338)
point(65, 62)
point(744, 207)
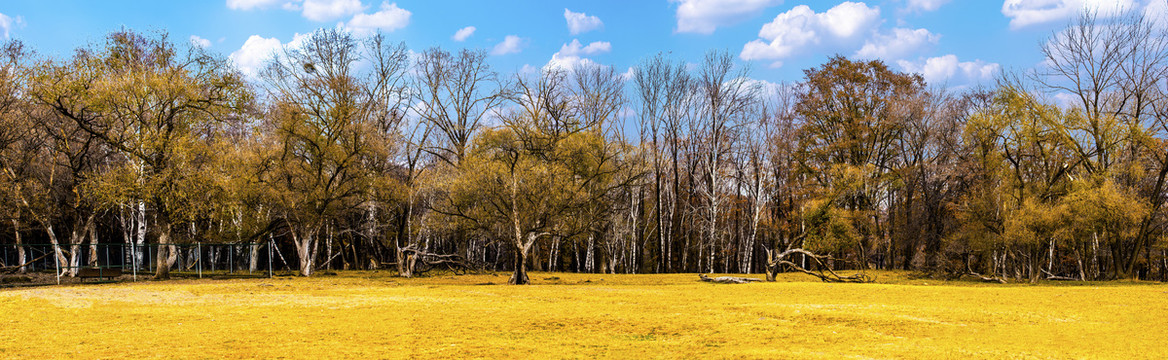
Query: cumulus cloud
point(579, 23)
point(629, 74)
point(924, 5)
point(200, 42)
point(463, 33)
point(1157, 12)
point(799, 27)
point(8, 22)
point(511, 44)
point(250, 4)
point(1024, 13)
point(325, 10)
point(896, 44)
point(704, 16)
point(576, 48)
point(254, 53)
point(948, 70)
point(1066, 100)
point(572, 55)
point(388, 18)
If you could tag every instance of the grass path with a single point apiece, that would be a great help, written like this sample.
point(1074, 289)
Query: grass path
point(372, 315)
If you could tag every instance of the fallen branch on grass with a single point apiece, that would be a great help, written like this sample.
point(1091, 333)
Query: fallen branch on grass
point(988, 278)
point(419, 261)
point(1050, 276)
point(821, 270)
point(728, 279)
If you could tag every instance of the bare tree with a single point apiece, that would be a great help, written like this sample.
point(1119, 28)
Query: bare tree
point(335, 126)
point(726, 99)
point(455, 93)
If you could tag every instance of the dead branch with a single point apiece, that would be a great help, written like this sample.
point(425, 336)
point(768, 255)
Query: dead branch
point(983, 277)
point(428, 261)
point(14, 269)
point(988, 278)
point(1050, 276)
point(822, 271)
point(728, 279)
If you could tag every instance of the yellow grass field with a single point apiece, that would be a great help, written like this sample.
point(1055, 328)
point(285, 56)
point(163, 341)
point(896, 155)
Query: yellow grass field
point(374, 315)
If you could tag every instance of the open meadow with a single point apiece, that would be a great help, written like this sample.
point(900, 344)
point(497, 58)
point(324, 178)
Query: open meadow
point(373, 315)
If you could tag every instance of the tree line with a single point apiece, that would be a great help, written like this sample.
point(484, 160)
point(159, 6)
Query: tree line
point(353, 152)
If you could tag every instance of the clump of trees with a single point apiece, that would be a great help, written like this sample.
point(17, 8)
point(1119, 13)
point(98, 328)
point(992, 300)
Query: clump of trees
point(354, 153)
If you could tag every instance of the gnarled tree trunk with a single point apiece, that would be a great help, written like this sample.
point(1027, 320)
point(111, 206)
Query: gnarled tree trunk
point(519, 277)
point(162, 259)
point(822, 271)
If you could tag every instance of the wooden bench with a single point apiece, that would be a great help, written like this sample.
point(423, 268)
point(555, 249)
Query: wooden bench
point(98, 273)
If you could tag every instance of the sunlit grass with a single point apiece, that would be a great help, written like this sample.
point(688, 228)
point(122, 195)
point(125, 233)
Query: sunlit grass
point(374, 315)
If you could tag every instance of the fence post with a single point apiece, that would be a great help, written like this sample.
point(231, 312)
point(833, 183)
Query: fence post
point(199, 259)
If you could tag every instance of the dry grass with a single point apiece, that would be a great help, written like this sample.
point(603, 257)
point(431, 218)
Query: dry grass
point(373, 315)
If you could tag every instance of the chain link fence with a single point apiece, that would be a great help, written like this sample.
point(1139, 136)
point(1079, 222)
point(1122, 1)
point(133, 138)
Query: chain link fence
point(46, 264)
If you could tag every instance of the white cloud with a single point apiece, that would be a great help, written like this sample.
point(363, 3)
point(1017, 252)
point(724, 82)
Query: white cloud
point(1157, 12)
point(948, 70)
point(766, 88)
point(628, 74)
point(200, 42)
point(579, 23)
point(576, 48)
point(925, 5)
point(8, 22)
point(1066, 100)
point(1024, 13)
point(704, 16)
point(899, 43)
point(254, 53)
point(250, 4)
point(569, 62)
point(799, 27)
point(388, 19)
point(571, 55)
point(463, 33)
point(325, 10)
point(511, 44)
point(257, 51)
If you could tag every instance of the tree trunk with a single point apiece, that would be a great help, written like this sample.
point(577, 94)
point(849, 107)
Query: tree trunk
point(162, 258)
point(519, 277)
point(19, 248)
point(772, 267)
point(141, 233)
point(304, 247)
point(56, 245)
point(76, 238)
point(92, 230)
point(253, 258)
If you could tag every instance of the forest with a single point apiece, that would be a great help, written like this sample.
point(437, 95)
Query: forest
point(351, 152)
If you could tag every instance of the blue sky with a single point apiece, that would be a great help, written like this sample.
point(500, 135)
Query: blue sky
point(952, 42)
